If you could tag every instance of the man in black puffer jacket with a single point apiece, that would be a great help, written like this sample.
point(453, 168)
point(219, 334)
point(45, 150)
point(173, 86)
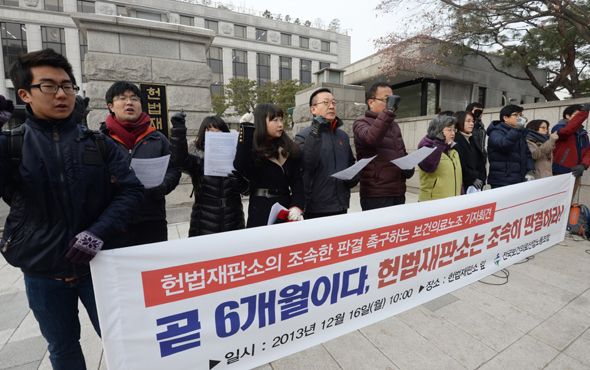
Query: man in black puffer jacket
point(325, 150)
point(67, 203)
point(136, 138)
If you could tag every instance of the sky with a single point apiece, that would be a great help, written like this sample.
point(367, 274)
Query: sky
point(356, 17)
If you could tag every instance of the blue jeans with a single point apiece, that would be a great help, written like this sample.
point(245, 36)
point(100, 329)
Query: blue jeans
point(55, 306)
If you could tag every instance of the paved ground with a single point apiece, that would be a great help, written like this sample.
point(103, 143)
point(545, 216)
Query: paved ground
point(537, 319)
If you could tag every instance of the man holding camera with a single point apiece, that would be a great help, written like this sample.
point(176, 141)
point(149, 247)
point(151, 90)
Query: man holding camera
point(510, 159)
point(325, 150)
point(479, 129)
point(383, 184)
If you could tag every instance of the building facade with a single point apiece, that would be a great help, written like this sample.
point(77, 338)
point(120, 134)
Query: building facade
point(247, 44)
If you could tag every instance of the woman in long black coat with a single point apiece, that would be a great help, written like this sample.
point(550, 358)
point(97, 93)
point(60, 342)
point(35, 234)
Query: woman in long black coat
point(218, 204)
point(473, 161)
point(269, 159)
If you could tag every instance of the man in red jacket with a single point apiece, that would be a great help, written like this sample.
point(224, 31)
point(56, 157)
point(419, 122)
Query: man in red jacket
point(571, 153)
point(383, 184)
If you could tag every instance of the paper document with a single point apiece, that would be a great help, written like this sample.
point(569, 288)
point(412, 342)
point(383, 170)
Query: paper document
point(351, 171)
point(220, 150)
point(274, 212)
point(150, 171)
point(411, 160)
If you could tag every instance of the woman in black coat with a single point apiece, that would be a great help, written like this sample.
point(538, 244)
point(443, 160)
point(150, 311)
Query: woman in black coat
point(218, 204)
point(269, 159)
point(473, 162)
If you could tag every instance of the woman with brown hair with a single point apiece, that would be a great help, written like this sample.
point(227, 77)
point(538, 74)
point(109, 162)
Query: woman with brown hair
point(269, 159)
point(541, 145)
point(471, 154)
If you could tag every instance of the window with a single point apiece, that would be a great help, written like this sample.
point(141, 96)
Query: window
point(240, 64)
point(54, 5)
point(215, 62)
point(304, 42)
point(422, 98)
point(324, 65)
point(83, 51)
point(305, 71)
point(263, 68)
point(187, 21)
point(55, 38)
point(122, 11)
point(285, 69)
point(240, 31)
point(481, 96)
point(86, 6)
point(9, 2)
point(14, 42)
point(285, 39)
point(326, 46)
point(212, 25)
point(149, 16)
point(261, 34)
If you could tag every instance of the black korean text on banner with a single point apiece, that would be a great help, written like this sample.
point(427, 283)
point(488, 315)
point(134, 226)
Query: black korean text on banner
point(154, 102)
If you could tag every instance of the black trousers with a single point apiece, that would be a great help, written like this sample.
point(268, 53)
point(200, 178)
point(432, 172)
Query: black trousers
point(369, 203)
point(147, 232)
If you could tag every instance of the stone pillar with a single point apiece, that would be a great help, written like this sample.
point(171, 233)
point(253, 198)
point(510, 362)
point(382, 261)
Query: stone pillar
point(136, 50)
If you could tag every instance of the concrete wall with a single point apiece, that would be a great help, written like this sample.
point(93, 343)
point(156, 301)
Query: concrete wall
point(142, 51)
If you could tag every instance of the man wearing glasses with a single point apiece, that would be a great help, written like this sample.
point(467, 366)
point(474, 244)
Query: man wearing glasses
point(130, 127)
point(383, 184)
point(325, 150)
point(67, 203)
point(508, 153)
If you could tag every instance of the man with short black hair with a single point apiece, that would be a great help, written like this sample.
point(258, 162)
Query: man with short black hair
point(130, 128)
point(69, 200)
point(510, 159)
point(572, 149)
point(325, 150)
point(383, 184)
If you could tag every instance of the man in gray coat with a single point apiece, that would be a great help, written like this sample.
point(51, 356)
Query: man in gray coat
point(325, 150)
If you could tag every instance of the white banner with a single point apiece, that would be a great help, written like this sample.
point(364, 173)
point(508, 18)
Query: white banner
point(241, 299)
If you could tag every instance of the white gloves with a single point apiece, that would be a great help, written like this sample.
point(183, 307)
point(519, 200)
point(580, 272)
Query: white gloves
point(295, 214)
point(530, 175)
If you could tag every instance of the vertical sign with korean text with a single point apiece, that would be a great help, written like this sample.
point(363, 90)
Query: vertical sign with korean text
point(154, 102)
point(240, 299)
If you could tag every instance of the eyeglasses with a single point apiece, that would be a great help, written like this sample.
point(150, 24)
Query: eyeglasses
point(327, 103)
point(543, 128)
point(123, 98)
point(450, 130)
point(383, 100)
point(516, 114)
point(50, 88)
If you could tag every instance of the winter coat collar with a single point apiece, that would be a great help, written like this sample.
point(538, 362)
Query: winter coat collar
point(537, 136)
point(45, 124)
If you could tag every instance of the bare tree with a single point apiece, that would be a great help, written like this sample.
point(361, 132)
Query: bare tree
point(527, 34)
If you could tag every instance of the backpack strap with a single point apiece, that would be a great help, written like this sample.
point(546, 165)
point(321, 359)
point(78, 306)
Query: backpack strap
point(99, 139)
point(15, 145)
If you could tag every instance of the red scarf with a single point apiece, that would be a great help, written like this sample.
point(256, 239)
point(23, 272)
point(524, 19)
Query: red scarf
point(128, 132)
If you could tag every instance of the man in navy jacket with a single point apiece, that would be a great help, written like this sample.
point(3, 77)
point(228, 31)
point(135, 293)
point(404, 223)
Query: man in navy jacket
point(510, 159)
point(67, 203)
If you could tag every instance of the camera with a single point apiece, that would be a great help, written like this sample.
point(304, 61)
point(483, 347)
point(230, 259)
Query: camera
point(392, 101)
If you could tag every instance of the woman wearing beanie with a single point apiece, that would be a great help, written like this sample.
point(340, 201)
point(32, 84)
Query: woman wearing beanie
point(541, 145)
point(269, 158)
point(471, 154)
point(440, 172)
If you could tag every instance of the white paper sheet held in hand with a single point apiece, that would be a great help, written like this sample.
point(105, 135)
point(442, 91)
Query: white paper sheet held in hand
point(150, 171)
point(274, 212)
point(351, 171)
point(411, 160)
point(220, 150)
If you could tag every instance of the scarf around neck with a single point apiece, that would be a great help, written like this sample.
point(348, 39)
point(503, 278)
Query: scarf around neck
point(128, 132)
point(537, 136)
